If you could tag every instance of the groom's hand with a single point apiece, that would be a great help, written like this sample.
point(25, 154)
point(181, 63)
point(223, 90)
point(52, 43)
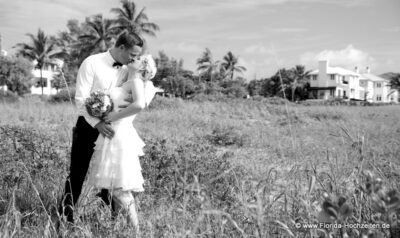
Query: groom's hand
point(128, 100)
point(105, 129)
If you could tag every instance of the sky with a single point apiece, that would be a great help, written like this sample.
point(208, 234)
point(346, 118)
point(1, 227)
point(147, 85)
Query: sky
point(265, 34)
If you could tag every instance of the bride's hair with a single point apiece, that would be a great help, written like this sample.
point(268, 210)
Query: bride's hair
point(148, 66)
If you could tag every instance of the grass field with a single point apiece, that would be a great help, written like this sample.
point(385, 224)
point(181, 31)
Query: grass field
point(237, 168)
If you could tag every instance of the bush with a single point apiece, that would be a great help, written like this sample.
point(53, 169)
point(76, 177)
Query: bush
point(224, 136)
point(8, 96)
point(165, 103)
point(236, 91)
point(210, 98)
point(33, 164)
point(63, 96)
point(16, 73)
point(171, 173)
point(272, 100)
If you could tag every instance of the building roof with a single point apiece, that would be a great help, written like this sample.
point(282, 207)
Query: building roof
point(372, 77)
point(336, 70)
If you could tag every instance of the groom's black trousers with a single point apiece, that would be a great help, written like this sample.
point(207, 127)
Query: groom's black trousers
point(84, 137)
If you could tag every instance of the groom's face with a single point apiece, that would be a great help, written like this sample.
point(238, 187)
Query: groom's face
point(129, 54)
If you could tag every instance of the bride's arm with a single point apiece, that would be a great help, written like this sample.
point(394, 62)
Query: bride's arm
point(136, 106)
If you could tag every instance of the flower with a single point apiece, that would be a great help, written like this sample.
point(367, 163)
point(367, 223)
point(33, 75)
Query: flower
point(99, 104)
point(148, 67)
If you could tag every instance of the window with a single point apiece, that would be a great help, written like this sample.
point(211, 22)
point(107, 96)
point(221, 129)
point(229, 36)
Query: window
point(378, 98)
point(344, 94)
point(344, 81)
point(378, 85)
point(352, 91)
point(331, 92)
point(38, 84)
point(314, 77)
point(333, 77)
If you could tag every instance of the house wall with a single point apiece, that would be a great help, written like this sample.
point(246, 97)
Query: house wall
point(3, 88)
point(380, 91)
point(368, 87)
point(323, 79)
point(48, 90)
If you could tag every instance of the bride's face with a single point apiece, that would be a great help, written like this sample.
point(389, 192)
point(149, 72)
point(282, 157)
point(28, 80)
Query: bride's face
point(135, 64)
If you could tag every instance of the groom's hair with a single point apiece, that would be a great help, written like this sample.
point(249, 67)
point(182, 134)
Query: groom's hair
point(128, 40)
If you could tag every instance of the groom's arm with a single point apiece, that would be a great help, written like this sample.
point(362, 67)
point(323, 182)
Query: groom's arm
point(136, 106)
point(84, 84)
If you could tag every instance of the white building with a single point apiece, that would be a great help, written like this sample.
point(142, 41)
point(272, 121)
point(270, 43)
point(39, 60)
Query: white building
point(48, 72)
point(335, 82)
point(3, 53)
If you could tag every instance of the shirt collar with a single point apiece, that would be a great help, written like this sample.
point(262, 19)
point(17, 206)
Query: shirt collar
point(109, 59)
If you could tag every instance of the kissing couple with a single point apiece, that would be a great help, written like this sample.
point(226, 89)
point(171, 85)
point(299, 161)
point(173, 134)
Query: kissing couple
point(107, 150)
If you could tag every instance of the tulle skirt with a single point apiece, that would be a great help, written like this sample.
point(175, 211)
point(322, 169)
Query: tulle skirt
point(115, 162)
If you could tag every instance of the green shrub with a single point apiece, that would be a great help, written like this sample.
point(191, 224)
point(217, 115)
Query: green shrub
point(165, 103)
point(171, 172)
point(63, 96)
point(33, 166)
point(210, 98)
point(224, 136)
point(8, 96)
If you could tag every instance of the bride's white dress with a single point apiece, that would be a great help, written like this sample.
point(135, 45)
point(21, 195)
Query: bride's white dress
point(115, 162)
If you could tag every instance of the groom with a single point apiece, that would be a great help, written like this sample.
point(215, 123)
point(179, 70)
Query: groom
point(97, 72)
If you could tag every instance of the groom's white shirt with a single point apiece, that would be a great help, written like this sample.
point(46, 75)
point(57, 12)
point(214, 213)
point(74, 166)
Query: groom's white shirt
point(96, 73)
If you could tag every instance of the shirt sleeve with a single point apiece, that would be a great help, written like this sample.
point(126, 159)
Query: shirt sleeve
point(84, 84)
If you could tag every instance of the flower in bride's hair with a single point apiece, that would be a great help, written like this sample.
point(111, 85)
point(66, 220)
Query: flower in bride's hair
point(99, 104)
point(148, 67)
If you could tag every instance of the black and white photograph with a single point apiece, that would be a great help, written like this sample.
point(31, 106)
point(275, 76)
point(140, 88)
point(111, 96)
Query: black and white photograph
point(201, 118)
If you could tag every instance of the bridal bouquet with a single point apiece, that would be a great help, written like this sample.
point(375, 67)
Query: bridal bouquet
point(99, 104)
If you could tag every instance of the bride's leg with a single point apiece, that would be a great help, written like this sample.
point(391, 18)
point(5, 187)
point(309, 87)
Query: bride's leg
point(125, 200)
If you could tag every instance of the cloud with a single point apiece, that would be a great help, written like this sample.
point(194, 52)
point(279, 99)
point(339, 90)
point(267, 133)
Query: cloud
point(347, 57)
point(290, 30)
point(265, 67)
point(259, 49)
point(256, 49)
point(182, 47)
point(188, 47)
point(394, 29)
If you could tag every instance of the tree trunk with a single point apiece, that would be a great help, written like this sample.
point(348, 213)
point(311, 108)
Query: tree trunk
point(41, 80)
point(293, 92)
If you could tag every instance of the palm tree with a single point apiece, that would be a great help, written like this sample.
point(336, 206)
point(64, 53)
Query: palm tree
point(42, 50)
point(230, 62)
point(99, 36)
point(206, 65)
point(135, 22)
point(395, 82)
point(299, 78)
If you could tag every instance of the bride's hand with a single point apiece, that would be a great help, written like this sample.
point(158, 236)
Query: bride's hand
point(109, 118)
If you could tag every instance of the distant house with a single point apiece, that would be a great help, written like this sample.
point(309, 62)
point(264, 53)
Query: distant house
point(3, 53)
point(335, 82)
point(48, 72)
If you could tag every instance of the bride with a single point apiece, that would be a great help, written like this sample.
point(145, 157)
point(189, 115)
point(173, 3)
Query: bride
point(115, 162)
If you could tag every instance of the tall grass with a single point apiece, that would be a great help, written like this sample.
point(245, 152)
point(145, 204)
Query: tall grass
point(238, 168)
